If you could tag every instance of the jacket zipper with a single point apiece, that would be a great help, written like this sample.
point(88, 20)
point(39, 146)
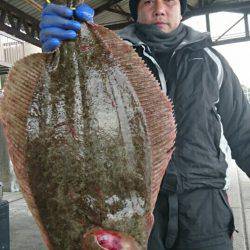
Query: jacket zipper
point(163, 81)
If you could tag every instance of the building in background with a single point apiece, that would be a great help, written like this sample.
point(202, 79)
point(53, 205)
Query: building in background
point(13, 49)
point(246, 91)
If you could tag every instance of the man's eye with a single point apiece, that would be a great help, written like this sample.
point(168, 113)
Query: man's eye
point(170, 2)
point(147, 2)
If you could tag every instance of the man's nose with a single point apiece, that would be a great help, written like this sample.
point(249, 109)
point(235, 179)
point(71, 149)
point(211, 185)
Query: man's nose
point(159, 8)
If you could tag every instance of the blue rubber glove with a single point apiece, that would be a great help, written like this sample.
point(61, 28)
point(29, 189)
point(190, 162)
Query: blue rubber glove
point(57, 25)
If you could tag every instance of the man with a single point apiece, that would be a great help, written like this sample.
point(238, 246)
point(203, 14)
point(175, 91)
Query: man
point(192, 210)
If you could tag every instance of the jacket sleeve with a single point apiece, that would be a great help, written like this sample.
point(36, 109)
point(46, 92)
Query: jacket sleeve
point(234, 109)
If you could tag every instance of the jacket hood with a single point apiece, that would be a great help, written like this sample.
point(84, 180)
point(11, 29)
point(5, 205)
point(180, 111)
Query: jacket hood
point(194, 39)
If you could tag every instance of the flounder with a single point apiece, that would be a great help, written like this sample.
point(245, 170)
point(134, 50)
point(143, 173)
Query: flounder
point(90, 134)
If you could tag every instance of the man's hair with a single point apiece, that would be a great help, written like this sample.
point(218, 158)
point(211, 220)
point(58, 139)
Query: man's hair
point(133, 4)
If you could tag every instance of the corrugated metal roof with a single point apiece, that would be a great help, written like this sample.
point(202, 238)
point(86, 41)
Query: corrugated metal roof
point(31, 8)
point(106, 17)
point(26, 7)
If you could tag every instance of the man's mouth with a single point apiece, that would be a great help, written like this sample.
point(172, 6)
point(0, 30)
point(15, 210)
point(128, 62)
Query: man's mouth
point(160, 24)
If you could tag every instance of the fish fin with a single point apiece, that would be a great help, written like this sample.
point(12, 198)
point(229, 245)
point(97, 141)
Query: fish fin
point(20, 83)
point(18, 92)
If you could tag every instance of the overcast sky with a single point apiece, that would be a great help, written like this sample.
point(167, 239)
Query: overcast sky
point(237, 54)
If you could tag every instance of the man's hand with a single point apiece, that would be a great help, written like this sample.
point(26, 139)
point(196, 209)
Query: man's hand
point(57, 24)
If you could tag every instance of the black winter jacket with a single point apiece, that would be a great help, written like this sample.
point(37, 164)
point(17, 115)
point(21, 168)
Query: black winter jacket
point(210, 108)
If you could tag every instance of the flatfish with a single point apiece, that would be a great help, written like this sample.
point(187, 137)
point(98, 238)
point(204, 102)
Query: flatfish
point(90, 134)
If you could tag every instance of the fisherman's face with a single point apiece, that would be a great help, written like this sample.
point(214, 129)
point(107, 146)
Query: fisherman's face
point(165, 14)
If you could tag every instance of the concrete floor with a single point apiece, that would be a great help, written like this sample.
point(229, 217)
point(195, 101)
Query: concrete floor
point(239, 198)
point(24, 234)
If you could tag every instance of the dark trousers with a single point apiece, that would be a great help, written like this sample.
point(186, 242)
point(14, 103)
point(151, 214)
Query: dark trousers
point(199, 220)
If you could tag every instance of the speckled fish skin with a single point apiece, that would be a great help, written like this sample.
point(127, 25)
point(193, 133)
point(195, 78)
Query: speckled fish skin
point(90, 134)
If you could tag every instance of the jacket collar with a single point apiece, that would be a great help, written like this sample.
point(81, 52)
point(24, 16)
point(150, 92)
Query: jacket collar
point(194, 39)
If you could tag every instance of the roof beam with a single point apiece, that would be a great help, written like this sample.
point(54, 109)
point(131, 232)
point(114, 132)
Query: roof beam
point(117, 26)
point(12, 20)
point(119, 11)
point(105, 6)
point(230, 41)
point(243, 7)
